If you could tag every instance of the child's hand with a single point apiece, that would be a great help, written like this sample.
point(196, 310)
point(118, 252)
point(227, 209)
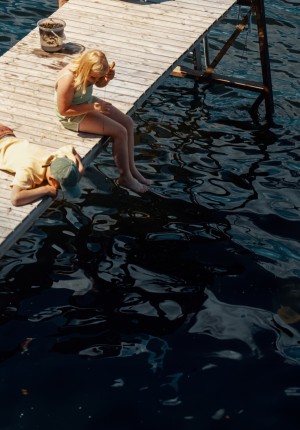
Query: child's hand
point(104, 80)
point(103, 107)
point(51, 191)
point(111, 72)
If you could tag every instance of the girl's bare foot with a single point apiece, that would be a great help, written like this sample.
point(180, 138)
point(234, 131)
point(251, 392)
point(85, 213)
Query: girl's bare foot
point(139, 177)
point(133, 185)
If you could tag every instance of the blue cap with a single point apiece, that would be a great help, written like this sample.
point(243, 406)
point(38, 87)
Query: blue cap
point(66, 172)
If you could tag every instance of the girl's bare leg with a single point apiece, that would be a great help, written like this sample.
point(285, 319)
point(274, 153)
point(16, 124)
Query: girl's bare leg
point(127, 122)
point(97, 123)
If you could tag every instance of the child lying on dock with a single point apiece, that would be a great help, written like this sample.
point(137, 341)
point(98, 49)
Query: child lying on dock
point(37, 172)
point(78, 110)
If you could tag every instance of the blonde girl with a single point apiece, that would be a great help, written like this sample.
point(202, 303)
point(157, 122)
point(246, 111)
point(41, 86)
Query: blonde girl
point(78, 110)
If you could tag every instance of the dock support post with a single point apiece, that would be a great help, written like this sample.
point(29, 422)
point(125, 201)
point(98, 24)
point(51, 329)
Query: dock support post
point(197, 57)
point(267, 93)
point(206, 51)
point(264, 89)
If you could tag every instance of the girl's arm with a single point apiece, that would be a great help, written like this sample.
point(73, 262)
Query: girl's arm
point(20, 197)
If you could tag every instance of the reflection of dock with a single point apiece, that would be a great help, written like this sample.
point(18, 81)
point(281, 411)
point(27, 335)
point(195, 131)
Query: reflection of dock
point(147, 40)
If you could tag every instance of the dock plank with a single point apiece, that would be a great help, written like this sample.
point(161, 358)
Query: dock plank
point(147, 40)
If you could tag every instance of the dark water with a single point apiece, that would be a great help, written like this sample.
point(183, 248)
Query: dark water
point(179, 308)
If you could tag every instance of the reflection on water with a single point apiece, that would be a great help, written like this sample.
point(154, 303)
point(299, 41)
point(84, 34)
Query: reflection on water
point(243, 323)
point(182, 306)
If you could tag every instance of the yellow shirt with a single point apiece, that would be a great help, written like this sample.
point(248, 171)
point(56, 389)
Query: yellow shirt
point(26, 159)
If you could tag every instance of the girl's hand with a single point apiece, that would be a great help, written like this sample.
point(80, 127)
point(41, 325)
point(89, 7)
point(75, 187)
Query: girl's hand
point(103, 107)
point(111, 72)
point(50, 191)
point(104, 80)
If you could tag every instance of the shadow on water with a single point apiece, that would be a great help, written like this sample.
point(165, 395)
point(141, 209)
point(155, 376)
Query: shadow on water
point(154, 280)
point(128, 265)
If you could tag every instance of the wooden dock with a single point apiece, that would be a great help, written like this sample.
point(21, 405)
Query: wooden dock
point(147, 40)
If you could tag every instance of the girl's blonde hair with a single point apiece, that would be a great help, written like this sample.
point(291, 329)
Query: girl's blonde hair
point(92, 61)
